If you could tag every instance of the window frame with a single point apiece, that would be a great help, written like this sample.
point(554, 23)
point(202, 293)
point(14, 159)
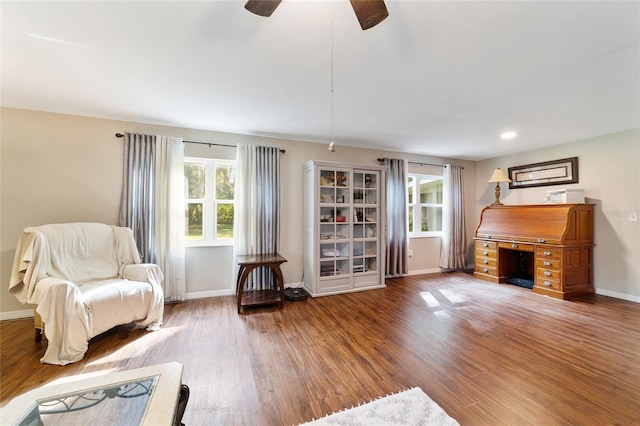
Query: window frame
point(417, 206)
point(210, 203)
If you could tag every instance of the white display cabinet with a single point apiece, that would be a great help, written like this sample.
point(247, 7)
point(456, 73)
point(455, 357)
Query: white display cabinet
point(344, 220)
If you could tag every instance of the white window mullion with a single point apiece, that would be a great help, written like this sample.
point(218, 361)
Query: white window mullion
point(210, 221)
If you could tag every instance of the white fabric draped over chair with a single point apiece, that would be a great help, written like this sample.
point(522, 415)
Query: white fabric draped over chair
point(85, 278)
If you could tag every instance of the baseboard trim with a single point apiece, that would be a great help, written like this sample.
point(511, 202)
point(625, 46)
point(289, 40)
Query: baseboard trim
point(206, 294)
point(224, 292)
point(12, 315)
point(617, 295)
point(424, 271)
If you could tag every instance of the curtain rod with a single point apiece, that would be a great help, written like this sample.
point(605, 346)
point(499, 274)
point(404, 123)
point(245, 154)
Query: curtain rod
point(420, 164)
point(210, 144)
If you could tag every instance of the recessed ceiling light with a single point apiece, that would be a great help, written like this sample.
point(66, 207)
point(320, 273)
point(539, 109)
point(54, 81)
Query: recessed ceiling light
point(508, 135)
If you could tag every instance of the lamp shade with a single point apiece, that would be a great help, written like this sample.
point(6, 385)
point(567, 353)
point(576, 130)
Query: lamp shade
point(499, 176)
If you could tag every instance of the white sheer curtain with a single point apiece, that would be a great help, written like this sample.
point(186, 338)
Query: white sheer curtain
point(454, 237)
point(257, 205)
point(246, 196)
point(169, 221)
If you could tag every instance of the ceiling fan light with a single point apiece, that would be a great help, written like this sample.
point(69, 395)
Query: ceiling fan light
point(369, 12)
point(262, 7)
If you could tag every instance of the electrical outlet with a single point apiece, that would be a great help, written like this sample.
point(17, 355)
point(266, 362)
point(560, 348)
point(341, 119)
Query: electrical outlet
point(633, 216)
point(410, 253)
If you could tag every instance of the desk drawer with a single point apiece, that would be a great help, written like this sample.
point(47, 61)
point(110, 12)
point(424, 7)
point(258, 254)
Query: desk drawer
point(544, 274)
point(554, 253)
point(517, 246)
point(486, 262)
point(548, 283)
point(484, 252)
point(481, 244)
point(485, 269)
point(548, 263)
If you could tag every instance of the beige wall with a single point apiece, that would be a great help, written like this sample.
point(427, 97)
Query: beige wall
point(609, 172)
point(63, 168)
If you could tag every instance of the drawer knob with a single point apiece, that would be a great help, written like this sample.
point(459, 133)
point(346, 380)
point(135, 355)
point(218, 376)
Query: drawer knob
point(514, 245)
point(547, 253)
point(547, 283)
point(485, 261)
point(485, 253)
point(546, 263)
point(485, 244)
point(485, 270)
point(541, 240)
point(547, 273)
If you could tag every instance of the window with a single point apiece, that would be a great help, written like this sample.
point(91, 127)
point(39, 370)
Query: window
point(209, 189)
point(425, 205)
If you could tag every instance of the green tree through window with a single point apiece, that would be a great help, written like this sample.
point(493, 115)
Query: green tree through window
point(209, 204)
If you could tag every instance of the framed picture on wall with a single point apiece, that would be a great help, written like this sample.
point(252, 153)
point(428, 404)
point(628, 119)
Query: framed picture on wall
point(556, 172)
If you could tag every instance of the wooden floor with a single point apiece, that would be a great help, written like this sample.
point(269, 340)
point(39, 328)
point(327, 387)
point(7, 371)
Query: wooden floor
point(488, 354)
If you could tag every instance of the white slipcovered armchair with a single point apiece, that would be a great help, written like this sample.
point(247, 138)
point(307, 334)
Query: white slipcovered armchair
point(85, 278)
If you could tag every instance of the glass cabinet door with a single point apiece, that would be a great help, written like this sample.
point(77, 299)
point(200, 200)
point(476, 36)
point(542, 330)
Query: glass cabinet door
point(335, 186)
point(365, 222)
point(335, 222)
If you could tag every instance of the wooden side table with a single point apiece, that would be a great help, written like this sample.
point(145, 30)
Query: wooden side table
point(248, 263)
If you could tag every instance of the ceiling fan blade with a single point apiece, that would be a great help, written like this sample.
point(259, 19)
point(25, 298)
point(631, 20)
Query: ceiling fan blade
point(262, 7)
point(369, 12)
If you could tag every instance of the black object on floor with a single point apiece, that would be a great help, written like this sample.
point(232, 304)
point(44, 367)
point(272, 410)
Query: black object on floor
point(295, 294)
point(525, 281)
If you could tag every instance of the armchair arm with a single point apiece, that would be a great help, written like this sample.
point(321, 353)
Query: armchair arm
point(145, 272)
point(148, 273)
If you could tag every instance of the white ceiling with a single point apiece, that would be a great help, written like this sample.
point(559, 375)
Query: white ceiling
point(442, 78)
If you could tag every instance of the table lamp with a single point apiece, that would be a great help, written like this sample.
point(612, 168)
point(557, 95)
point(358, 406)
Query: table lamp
point(497, 177)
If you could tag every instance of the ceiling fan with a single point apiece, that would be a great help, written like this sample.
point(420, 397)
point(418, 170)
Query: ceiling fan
point(369, 12)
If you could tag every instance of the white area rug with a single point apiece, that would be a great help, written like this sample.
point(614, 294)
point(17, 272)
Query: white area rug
point(410, 407)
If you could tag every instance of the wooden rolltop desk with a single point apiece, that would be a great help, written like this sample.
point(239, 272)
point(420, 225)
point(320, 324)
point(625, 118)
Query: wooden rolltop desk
point(549, 244)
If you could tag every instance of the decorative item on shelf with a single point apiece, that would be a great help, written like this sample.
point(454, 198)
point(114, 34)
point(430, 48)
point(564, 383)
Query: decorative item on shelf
point(327, 178)
point(497, 177)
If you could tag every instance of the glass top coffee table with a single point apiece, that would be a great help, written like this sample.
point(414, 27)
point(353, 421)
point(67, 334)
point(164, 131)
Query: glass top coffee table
point(145, 396)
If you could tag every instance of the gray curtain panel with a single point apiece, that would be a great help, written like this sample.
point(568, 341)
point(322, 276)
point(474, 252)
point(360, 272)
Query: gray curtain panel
point(397, 259)
point(268, 214)
point(268, 211)
point(257, 204)
point(454, 236)
point(137, 200)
